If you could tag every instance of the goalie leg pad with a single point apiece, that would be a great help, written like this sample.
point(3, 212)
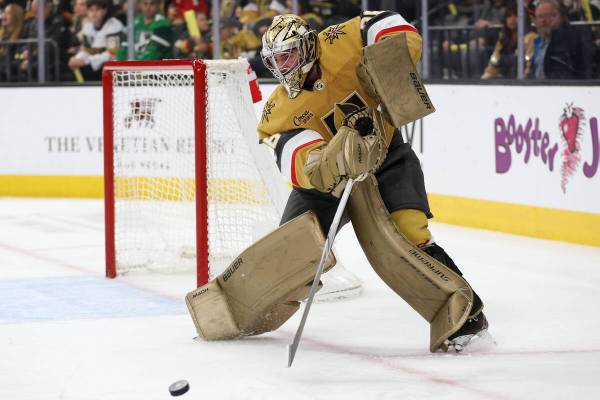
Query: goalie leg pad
point(219, 323)
point(262, 288)
point(438, 294)
point(387, 72)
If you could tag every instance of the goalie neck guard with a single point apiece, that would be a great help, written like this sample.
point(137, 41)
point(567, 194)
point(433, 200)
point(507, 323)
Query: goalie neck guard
point(290, 49)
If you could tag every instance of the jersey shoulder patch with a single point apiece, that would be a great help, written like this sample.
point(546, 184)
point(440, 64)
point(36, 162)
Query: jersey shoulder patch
point(339, 32)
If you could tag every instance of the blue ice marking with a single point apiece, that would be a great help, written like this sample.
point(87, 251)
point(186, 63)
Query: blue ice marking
point(79, 298)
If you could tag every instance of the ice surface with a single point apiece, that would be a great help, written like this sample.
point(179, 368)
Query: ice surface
point(68, 333)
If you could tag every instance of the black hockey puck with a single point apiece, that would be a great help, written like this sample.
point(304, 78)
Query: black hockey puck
point(178, 388)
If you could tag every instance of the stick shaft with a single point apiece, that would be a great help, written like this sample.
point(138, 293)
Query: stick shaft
point(293, 347)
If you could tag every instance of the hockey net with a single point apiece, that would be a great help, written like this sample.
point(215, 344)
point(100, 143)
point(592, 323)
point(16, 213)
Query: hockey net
point(187, 186)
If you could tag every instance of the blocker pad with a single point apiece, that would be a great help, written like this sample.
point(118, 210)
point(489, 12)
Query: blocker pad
point(387, 73)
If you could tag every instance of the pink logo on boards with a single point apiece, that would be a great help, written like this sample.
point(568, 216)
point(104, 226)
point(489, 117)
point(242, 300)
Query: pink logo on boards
point(528, 139)
point(571, 126)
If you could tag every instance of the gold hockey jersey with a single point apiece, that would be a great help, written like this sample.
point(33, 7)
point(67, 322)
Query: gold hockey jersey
point(294, 127)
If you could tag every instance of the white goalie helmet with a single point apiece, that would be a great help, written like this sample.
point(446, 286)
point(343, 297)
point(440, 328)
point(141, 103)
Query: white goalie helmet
point(289, 51)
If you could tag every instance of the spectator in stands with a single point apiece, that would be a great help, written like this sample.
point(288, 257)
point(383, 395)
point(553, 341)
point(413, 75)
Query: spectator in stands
point(199, 6)
point(57, 35)
point(459, 13)
point(560, 51)
point(308, 14)
point(173, 14)
point(228, 7)
point(259, 27)
point(177, 22)
point(203, 22)
point(488, 13)
point(79, 15)
point(75, 30)
point(581, 10)
point(278, 7)
point(153, 38)
point(248, 12)
point(119, 9)
point(101, 37)
point(586, 11)
point(324, 8)
point(11, 22)
point(188, 47)
point(237, 41)
point(454, 41)
point(11, 28)
point(63, 6)
point(503, 62)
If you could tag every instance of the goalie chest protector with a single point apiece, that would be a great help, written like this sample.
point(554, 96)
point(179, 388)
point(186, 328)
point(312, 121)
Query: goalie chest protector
point(340, 50)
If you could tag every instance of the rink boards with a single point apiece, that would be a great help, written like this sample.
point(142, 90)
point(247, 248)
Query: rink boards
point(508, 158)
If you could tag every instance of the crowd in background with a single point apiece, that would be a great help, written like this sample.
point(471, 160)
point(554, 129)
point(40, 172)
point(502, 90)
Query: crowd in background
point(468, 38)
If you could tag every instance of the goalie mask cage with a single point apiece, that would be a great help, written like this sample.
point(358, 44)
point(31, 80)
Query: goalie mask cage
point(187, 186)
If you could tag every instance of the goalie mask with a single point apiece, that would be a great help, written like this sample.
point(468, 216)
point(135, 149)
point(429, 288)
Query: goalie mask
point(289, 51)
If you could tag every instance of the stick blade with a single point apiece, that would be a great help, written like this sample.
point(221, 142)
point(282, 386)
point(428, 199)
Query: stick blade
point(291, 352)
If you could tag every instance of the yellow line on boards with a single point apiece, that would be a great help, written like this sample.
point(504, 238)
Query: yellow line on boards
point(233, 191)
point(539, 222)
point(51, 186)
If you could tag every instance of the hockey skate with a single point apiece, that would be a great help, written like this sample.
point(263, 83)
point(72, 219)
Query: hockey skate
point(475, 328)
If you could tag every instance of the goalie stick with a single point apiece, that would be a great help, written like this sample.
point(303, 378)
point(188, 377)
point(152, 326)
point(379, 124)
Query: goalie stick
point(293, 347)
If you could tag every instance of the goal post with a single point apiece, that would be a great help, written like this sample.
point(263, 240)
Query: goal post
point(187, 185)
point(117, 71)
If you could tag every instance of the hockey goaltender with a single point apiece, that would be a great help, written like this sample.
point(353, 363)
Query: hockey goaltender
point(343, 93)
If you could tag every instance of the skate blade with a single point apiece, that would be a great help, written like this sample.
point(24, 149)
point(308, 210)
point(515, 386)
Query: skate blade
point(481, 341)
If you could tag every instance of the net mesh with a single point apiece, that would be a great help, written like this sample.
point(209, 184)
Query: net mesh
point(154, 169)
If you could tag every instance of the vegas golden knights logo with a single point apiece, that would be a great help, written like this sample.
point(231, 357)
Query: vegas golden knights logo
point(333, 33)
point(142, 113)
point(267, 111)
